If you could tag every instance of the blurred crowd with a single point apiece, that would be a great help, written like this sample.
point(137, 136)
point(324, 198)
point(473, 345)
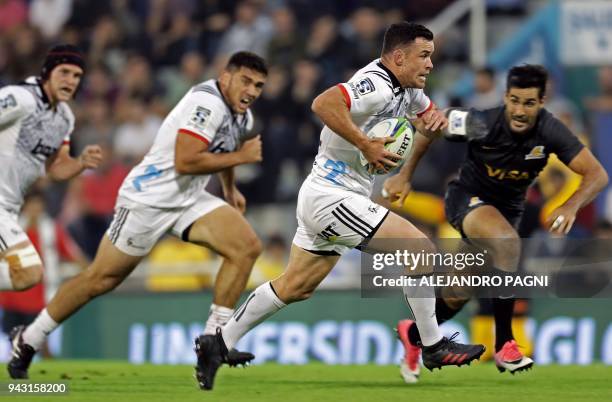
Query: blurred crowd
point(144, 55)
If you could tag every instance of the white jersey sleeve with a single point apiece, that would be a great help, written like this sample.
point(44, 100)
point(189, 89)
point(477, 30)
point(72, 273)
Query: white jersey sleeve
point(71, 120)
point(419, 103)
point(15, 103)
point(366, 94)
point(202, 116)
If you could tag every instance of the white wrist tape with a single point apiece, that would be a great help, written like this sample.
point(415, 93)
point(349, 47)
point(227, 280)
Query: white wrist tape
point(6, 283)
point(28, 257)
point(457, 122)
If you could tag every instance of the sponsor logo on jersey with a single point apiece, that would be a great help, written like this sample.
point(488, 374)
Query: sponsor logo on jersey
point(457, 122)
point(536, 153)
point(354, 90)
point(474, 201)
point(374, 208)
point(329, 233)
point(7, 102)
point(365, 86)
point(130, 242)
point(501, 174)
point(198, 117)
point(43, 149)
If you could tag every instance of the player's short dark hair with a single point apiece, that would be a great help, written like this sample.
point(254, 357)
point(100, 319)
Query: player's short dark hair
point(248, 60)
point(404, 33)
point(528, 76)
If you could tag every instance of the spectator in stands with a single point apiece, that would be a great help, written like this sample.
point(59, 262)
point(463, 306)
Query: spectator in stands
point(364, 32)
point(100, 84)
point(98, 126)
point(178, 81)
point(49, 16)
point(13, 14)
point(106, 38)
point(25, 53)
point(487, 94)
point(136, 133)
point(287, 44)
point(563, 108)
point(251, 31)
point(328, 49)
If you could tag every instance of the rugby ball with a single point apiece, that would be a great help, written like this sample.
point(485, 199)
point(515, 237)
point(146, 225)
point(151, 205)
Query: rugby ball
point(398, 128)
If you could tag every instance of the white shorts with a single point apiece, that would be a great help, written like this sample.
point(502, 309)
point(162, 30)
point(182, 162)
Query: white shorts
point(10, 231)
point(136, 227)
point(333, 220)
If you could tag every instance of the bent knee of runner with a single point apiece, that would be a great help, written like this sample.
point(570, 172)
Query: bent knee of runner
point(25, 267)
point(506, 251)
point(99, 284)
point(291, 290)
point(246, 251)
point(252, 247)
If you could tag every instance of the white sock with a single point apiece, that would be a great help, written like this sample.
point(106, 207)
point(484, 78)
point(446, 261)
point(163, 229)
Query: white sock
point(260, 304)
point(422, 302)
point(218, 316)
point(5, 276)
point(35, 334)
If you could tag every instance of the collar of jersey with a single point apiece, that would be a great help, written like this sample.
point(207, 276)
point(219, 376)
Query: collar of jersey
point(397, 87)
point(38, 88)
point(42, 93)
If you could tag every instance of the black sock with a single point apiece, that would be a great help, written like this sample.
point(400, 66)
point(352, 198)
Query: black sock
point(502, 311)
point(443, 314)
point(413, 334)
point(443, 311)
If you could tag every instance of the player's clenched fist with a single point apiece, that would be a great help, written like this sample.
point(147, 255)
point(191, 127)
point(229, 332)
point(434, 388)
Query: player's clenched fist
point(91, 157)
point(379, 158)
point(251, 150)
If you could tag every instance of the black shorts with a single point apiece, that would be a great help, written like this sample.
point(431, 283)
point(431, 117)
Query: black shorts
point(11, 319)
point(459, 201)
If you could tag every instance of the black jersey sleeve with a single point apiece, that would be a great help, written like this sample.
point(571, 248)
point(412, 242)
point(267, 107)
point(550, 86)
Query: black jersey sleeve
point(560, 140)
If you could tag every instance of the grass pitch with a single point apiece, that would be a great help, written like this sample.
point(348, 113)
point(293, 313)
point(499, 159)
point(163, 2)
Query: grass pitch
point(119, 381)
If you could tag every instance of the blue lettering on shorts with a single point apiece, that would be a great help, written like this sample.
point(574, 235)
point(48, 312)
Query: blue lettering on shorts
point(151, 172)
point(337, 168)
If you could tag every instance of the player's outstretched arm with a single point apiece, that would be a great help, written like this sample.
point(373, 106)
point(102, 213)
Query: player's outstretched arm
point(465, 125)
point(191, 156)
point(594, 179)
point(64, 167)
point(432, 124)
point(332, 109)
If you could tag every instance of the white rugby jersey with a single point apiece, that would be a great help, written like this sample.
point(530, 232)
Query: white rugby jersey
point(372, 94)
point(30, 132)
point(203, 114)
